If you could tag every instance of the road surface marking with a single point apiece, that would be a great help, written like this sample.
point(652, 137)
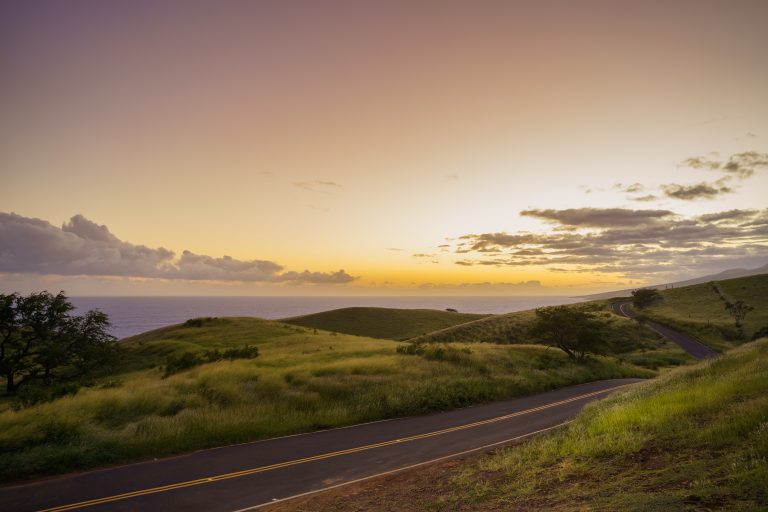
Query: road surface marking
point(406, 468)
point(252, 471)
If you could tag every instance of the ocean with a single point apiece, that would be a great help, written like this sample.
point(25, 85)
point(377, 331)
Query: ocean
point(134, 315)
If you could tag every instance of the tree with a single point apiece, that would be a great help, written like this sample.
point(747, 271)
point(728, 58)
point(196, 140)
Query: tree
point(738, 310)
point(644, 297)
point(40, 341)
point(575, 332)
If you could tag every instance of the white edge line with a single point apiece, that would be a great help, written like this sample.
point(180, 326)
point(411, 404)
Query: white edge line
point(75, 474)
point(398, 470)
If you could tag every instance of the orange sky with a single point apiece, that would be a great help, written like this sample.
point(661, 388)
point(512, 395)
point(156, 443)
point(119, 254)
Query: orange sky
point(356, 135)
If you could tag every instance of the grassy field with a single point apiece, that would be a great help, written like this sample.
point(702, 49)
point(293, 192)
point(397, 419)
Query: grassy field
point(694, 439)
point(303, 380)
point(386, 323)
point(699, 310)
point(625, 338)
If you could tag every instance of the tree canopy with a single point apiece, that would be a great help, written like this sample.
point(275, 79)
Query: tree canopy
point(575, 332)
point(41, 341)
point(644, 297)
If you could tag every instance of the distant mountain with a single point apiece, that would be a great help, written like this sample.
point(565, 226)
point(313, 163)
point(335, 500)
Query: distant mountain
point(725, 274)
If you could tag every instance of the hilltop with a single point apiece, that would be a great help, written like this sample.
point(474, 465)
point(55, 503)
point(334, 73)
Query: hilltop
point(385, 323)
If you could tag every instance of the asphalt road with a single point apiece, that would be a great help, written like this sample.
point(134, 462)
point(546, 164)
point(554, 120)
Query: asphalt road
point(247, 476)
point(691, 345)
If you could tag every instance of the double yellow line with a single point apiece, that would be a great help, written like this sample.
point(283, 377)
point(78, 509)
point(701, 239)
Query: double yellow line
point(253, 471)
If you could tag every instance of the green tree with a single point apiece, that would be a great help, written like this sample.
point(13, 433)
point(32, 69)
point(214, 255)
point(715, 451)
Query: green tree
point(738, 310)
point(41, 341)
point(575, 332)
point(644, 297)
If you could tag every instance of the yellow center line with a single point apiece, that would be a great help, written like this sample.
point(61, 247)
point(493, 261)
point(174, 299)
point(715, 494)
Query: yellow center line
point(261, 469)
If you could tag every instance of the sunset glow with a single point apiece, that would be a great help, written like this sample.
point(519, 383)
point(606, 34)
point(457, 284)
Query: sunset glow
point(380, 147)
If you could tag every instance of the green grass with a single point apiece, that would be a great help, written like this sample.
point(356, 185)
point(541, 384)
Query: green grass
point(699, 311)
point(625, 338)
point(385, 323)
point(695, 438)
point(301, 381)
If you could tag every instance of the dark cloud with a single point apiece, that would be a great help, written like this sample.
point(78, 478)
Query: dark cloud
point(598, 217)
point(665, 243)
point(741, 165)
point(423, 255)
point(697, 191)
point(729, 216)
point(82, 247)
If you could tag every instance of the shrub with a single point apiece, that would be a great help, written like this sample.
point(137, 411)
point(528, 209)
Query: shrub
point(187, 360)
point(199, 322)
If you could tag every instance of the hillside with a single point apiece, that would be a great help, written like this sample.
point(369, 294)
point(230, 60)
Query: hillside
point(625, 338)
point(720, 276)
point(693, 439)
point(384, 323)
point(700, 309)
point(302, 380)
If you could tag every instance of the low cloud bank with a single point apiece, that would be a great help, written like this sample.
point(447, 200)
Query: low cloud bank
point(82, 247)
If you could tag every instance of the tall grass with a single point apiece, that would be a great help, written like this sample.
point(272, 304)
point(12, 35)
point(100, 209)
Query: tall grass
point(300, 382)
point(695, 438)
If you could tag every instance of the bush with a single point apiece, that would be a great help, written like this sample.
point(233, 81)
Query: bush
point(199, 322)
point(187, 360)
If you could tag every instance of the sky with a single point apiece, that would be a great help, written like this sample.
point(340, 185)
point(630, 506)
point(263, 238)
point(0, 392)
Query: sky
point(366, 148)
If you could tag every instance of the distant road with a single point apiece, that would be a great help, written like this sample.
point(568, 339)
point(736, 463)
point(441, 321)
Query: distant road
point(251, 475)
point(691, 345)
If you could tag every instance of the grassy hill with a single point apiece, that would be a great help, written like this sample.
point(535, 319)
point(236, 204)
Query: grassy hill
point(385, 323)
point(699, 309)
point(625, 338)
point(302, 380)
point(695, 438)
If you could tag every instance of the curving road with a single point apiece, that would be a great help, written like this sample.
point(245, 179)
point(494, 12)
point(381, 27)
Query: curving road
point(691, 345)
point(252, 475)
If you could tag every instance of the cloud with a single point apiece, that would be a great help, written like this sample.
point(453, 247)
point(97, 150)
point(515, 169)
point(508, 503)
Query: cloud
point(533, 285)
point(702, 162)
point(338, 277)
point(735, 215)
point(82, 247)
point(629, 189)
point(598, 217)
point(659, 243)
point(317, 185)
point(741, 165)
point(646, 198)
point(423, 255)
point(745, 164)
point(395, 249)
point(697, 191)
